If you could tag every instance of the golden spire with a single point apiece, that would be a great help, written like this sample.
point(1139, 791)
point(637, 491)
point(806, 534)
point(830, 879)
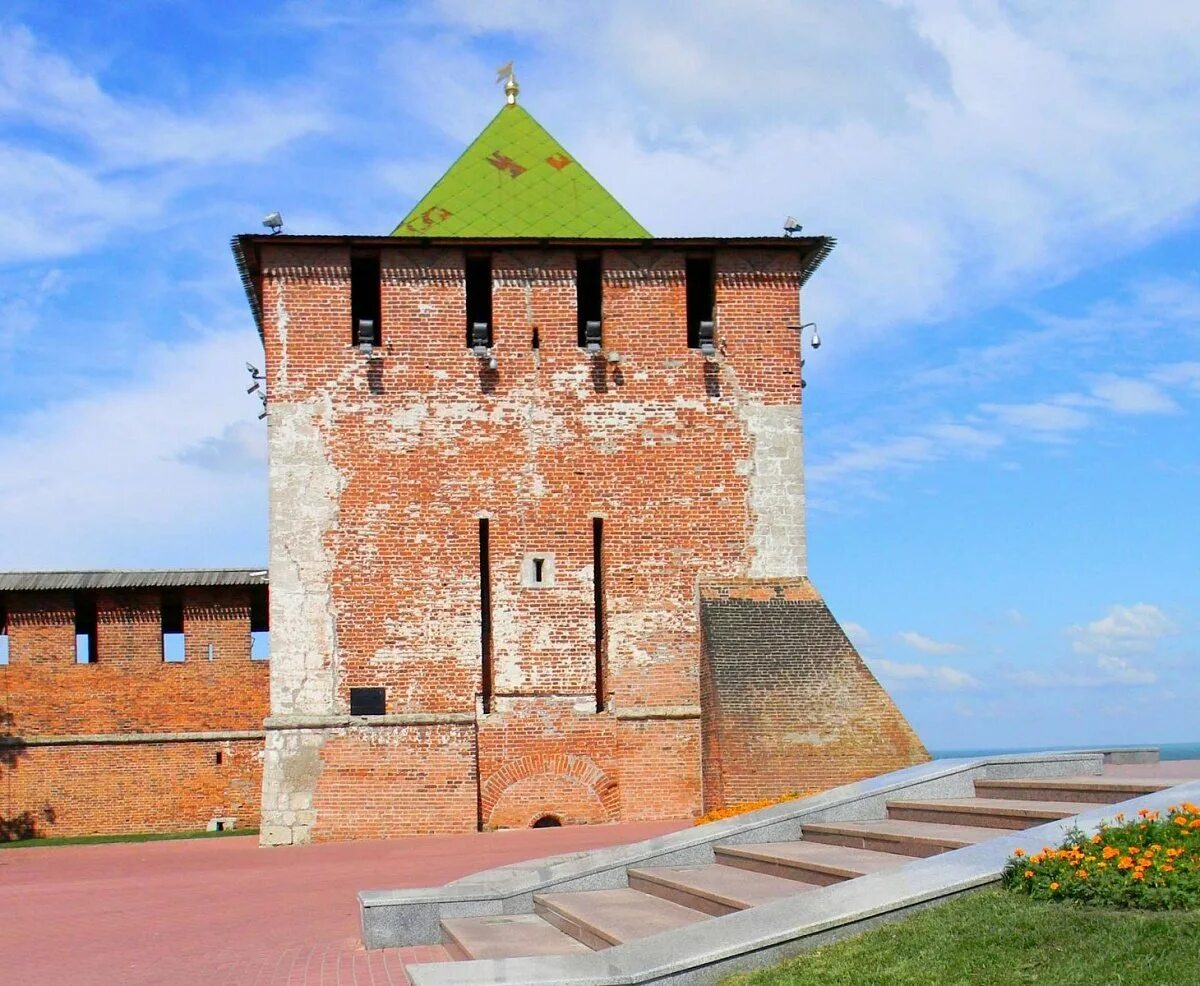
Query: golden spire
point(510, 85)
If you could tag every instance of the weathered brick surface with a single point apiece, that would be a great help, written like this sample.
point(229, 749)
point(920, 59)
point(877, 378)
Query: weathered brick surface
point(386, 782)
point(102, 787)
point(117, 788)
point(789, 704)
point(382, 466)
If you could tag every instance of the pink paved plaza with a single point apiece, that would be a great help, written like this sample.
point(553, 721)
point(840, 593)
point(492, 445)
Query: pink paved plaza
point(224, 911)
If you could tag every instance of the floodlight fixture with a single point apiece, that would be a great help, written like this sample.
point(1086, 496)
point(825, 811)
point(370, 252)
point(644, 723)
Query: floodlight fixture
point(273, 221)
point(791, 227)
point(591, 336)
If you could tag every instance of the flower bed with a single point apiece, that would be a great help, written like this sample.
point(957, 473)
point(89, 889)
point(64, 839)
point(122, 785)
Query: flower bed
point(729, 811)
point(1150, 862)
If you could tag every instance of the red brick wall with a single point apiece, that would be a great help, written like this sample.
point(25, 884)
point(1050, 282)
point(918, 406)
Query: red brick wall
point(118, 788)
point(130, 688)
point(390, 781)
point(101, 787)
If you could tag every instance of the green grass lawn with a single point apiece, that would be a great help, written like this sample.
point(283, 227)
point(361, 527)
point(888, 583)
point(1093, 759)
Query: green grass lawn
point(91, 840)
point(996, 937)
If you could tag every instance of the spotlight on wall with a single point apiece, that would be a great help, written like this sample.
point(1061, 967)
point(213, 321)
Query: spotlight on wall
point(614, 357)
point(708, 339)
point(791, 227)
point(815, 341)
point(258, 378)
point(367, 335)
point(591, 336)
point(273, 221)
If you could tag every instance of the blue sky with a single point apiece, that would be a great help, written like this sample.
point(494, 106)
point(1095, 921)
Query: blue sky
point(1003, 451)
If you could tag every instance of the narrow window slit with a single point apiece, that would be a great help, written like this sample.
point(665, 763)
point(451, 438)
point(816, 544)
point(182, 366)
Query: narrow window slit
point(700, 300)
point(589, 302)
point(485, 614)
point(598, 607)
point(479, 302)
point(366, 303)
point(174, 646)
point(85, 628)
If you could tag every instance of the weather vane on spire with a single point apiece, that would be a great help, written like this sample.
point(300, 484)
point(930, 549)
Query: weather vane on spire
point(506, 74)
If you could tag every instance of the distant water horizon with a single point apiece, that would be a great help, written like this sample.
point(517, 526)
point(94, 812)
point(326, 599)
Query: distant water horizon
point(1167, 751)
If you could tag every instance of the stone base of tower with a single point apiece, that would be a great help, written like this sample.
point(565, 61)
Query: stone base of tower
point(788, 704)
point(549, 760)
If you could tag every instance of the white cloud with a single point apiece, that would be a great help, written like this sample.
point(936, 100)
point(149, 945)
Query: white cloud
point(927, 645)
point(112, 478)
point(1103, 671)
point(1124, 395)
point(942, 677)
point(1043, 420)
point(90, 163)
point(858, 634)
point(241, 447)
point(1123, 630)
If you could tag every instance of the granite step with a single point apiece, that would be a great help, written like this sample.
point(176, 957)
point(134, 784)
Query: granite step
point(600, 918)
point(506, 936)
point(713, 888)
point(890, 835)
point(995, 813)
point(818, 863)
point(1089, 790)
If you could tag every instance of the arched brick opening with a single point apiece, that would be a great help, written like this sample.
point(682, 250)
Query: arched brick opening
point(570, 788)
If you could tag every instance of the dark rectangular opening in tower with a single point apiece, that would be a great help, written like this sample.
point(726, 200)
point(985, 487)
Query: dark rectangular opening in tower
point(589, 296)
point(85, 628)
point(366, 302)
point(479, 298)
point(485, 614)
point(598, 607)
point(171, 614)
point(700, 295)
point(368, 701)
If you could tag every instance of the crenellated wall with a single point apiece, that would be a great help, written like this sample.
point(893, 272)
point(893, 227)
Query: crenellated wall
point(129, 742)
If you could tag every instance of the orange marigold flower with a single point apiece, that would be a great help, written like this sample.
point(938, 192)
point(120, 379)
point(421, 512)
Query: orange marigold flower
point(1018, 853)
point(1097, 839)
point(1119, 816)
point(1054, 886)
point(1124, 863)
point(1143, 812)
point(1082, 874)
point(1029, 874)
point(1194, 823)
point(1168, 868)
point(1138, 875)
point(1110, 851)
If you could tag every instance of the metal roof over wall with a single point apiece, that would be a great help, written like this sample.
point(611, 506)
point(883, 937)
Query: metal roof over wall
point(132, 578)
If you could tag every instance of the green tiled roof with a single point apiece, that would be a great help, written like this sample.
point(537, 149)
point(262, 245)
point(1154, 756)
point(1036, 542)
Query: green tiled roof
point(516, 180)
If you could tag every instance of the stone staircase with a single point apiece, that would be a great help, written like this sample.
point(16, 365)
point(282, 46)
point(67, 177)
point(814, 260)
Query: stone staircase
point(744, 875)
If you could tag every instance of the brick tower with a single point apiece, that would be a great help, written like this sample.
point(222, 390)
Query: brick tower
point(537, 517)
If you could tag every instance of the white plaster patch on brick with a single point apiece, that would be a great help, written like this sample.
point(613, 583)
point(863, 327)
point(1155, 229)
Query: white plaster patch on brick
point(304, 490)
point(406, 424)
point(281, 325)
point(776, 494)
point(292, 766)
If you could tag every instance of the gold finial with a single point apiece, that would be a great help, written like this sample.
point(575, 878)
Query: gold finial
point(511, 88)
